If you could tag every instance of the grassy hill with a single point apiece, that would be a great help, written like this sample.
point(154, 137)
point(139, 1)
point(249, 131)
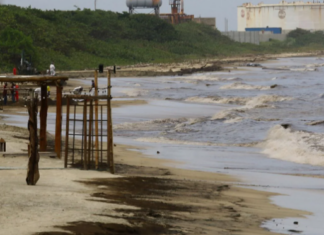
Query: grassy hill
point(83, 39)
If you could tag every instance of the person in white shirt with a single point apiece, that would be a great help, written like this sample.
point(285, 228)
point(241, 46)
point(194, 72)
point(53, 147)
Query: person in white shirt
point(52, 69)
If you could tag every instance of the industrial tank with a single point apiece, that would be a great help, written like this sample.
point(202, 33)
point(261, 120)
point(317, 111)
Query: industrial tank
point(144, 3)
point(285, 15)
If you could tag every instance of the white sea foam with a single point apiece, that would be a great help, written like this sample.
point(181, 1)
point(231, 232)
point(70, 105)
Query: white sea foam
point(134, 92)
point(211, 78)
point(264, 100)
point(247, 102)
point(295, 146)
point(178, 142)
point(149, 125)
point(244, 86)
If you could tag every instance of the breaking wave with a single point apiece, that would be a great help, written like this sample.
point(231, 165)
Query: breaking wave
point(134, 92)
point(295, 146)
point(211, 78)
point(247, 102)
point(244, 86)
point(150, 125)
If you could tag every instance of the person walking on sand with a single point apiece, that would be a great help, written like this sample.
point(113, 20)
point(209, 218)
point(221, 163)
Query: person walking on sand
point(16, 92)
point(5, 93)
point(12, 89)
point(52, 69)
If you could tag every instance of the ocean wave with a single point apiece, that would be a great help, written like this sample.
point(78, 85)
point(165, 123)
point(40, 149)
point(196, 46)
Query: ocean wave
point(178, 142)
point(238, 114)
point(294, 146)
point(244, 86)
point(211, 78)
point(163, 140)
point(247, 102)
point(230, 116)
point(150, 125)
point(264, 100)
point(134, 92)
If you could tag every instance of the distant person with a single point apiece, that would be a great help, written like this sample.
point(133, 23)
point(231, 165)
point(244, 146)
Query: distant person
point(48, 91)
point(16, 92)
point(12, 89)
point(14, 71)
point(5, 93)
point(52, 69)
point(92, 85)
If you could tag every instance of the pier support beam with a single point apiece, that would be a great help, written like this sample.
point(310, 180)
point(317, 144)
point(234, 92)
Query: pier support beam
point(43, 118)
point(58, 127)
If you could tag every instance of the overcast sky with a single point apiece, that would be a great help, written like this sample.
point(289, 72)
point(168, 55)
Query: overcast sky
point(220, 9)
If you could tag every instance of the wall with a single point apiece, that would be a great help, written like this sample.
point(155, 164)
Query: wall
point(248, 37)
point(207, 21)
point(287, 16)
point(253, 37)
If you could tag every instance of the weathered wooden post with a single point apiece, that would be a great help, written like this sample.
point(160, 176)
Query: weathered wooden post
point(96, 121)
point(67, 132)
point(43, 118)
point(110, 145)
point(58, 128)
point(33, 171)
point(85, 134)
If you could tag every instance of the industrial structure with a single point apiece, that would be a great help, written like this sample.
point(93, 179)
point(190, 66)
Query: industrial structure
point(177, 15)
point(142, 4)
point(284, 16)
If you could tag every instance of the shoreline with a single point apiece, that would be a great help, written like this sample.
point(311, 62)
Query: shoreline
point(187, 67)
point(218, 206)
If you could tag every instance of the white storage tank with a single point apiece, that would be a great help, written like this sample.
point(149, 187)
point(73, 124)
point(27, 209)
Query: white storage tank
point(133, 4)
point(285, 15)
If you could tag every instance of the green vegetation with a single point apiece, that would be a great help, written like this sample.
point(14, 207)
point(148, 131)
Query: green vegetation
point(83, 39)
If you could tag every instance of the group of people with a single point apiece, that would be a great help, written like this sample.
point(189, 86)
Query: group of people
point(13, 92)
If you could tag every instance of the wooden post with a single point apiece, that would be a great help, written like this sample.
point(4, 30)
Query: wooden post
point(33, 171)
point(67, 132)
point(43, 118)
point(58, 130)
point(90, 133)
point(96, 121)
point(110, 129)
point(85, 119)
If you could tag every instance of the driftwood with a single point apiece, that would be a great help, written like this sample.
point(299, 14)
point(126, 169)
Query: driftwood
point(33, 171)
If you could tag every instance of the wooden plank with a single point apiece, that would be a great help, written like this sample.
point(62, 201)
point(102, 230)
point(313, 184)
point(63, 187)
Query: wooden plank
point(96, 121)
point(43, 118)
point(20, 79)
point(58, 128)
point(110, 129)
point(81, 97)
point(67, 133)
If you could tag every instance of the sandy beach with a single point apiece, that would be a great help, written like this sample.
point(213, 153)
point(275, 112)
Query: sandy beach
point(194, 186)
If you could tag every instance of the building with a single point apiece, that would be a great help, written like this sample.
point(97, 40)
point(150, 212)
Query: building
point(211, 21)
point(285, 15)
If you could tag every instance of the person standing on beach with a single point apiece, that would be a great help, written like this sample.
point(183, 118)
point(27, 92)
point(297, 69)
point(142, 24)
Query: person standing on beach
point(16, 92)
point(52, 69)
point(12, 89)
point(93, 86)
point(5, 93)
